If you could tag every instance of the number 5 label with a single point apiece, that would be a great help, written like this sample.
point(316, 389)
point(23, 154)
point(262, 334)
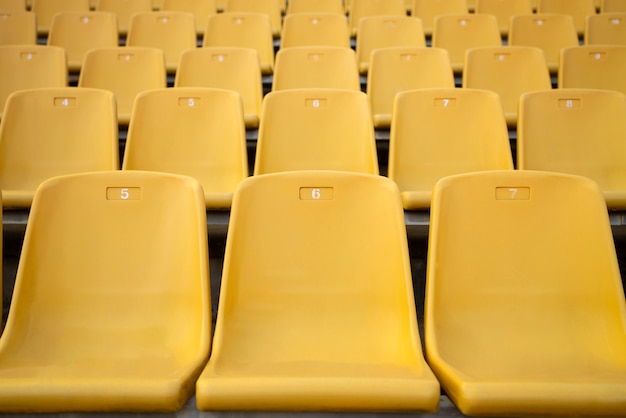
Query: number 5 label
point(123, 193)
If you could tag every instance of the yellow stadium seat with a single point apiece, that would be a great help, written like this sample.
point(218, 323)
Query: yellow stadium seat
point(576, 131)
point(124, 10)
point(317, 309)
point(271, 8)
point(593, 67)
point(197, 132)
point(228, 68)
point(126, 71)
point(315, 29)
point(316, 129)
point(201, 10)
point(79, 32)
point(549, 32)
point(428, 10)
point(46, 9)
point(386, 31)
point(44, 134)
point(440, 132)
point(610, 6)
point(503, 10)
point(30, 66)
point(116, 314)
point(243, 30)
point(578, 9)
point(525, 312)
point(397, 69)
point(316, 67)
point(509, 71)
point(13, 5)
point(172, 32)
point(315, 6)
point(606, 28)
point(359, 9)
point(458, 33)
point(18, 27)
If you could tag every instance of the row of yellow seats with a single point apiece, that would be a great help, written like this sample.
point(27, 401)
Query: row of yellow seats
point(200, 132)
point(525, 311)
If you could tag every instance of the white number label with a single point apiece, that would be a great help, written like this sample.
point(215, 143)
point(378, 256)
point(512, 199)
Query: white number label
point(316, 194)
point(124, 193)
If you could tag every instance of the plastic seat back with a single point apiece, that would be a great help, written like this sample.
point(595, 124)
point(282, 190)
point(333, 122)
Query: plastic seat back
point(428, 10)
point(13, 5)
point(386, 31)
point(316, 129)
point(79, 32)
point(317, 309)
point(18, 27)
point(46, 9)
point(201, 10)
point(315, 6)
point(397, 69)
point(610, 6)
point(503, 10)
point(440, 132)
point(270, 8)
point(228, 68)
point(116, 314)
point(509, 71)
point(578, 9)
point(525, 307)
point(458, 33)
point(606, 28)
point(576, 131)
point(124, 10)
point(126, 71)
point(549, 32)
point(315, 29)
point(593, 67)
point(243, 30)
point(172, 32)
point(197, 132)
point(44, 134)
point(316, 67)
point(30, 66)
point(359, 9)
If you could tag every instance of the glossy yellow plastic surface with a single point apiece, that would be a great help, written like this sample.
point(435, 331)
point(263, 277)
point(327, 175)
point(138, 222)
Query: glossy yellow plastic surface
point(201, 10)
point(386, 31)
point(198, 132)
point(30, 66)
point(525, 312)
point(359, 9)
point(115, 315)
point(172, 32)
point(301, 67)
point(78, 32)
point(578, 9)
point(315, 29)
point(46, 9)
point(609, 6)
point(227, 68)
point(14, 5)
point(51, 132)
point(17, 27)
point(606, 28)
point(509, 71)
point(428, 10)
point(441, 132)
point(458, 33)
point(125, 71)
point(316, 306)
point(576, 131)
point(397, 69)
point(270, 8)
point(593, 67)
point(316, 129)
point(315, 6)
point(124, 10)
point(243, 30)
point(549, 32)
point(503, 10)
